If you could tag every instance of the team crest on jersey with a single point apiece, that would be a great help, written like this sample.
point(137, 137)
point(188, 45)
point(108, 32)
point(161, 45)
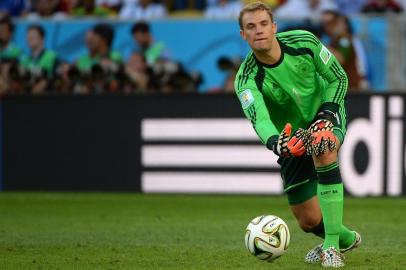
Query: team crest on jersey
point(325, 55)
point(246, 98)
point(303, 68)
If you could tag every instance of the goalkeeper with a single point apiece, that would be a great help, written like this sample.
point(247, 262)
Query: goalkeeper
point(292, 89)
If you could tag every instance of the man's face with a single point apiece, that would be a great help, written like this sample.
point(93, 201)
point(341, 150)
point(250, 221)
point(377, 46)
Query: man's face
point(329, 23)
point(45, 7)
point(92, 41)
point(258, 30)
point(142, 38)
point(34, 39)
point(137, 62)
point(5, 34)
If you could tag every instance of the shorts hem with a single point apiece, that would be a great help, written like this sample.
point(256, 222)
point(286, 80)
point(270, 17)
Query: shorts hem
point(302, 192)
point(296, 185)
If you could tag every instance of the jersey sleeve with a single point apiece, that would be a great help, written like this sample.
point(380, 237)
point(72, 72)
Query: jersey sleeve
point(254, 107)
point(328, 67)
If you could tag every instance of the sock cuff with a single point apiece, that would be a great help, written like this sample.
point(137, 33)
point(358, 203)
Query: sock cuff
point(319, 229)
point(327, 168)
point(329, 174)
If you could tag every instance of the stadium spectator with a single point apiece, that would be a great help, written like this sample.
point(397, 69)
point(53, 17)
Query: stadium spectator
point(346, 48)
point(350, 7)
point(223, 9)
point(304, 9)
point(40, 63)
point(4, 79)
point(90, 8)
point(8, 50)
point(98, 42)
point(152, 50)
point(69, 79)
point(110, 4)
point(14, 80)
point(143, 10)
point(9, 57)
point(67, 6)
point(13, 7)
point(101, 63)
point(139, 77)
point(169, 76)
point(172, 77)
point(230, 67)
point(44, 9)
point(188, 7)
point(382, 6)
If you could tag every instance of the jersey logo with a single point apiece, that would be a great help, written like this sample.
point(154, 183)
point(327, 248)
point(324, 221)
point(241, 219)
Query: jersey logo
point(303, 68)
point(246, 98)
point(325, 55)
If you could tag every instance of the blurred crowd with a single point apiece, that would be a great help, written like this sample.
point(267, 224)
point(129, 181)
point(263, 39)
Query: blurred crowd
point(213, 9)
point(150, 68)
point(101, 70)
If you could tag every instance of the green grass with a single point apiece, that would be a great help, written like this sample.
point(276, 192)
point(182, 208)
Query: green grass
point(133, 231)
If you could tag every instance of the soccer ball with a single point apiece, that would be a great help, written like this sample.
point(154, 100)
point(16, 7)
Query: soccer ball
point(267, 237)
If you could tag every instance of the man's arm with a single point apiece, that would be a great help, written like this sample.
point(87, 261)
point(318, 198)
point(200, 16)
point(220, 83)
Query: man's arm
point(327, 124)
point(253, 105)
point(333, 96)
point(282, 144)
point(330, 69)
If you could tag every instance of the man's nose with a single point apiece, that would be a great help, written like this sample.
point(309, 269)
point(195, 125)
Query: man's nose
point(259, 30)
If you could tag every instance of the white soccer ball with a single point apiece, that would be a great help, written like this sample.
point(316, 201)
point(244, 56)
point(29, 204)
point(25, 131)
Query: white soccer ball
point(267, 237)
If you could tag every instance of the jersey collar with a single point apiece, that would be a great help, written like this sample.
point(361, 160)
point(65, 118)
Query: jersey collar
point(275, 64)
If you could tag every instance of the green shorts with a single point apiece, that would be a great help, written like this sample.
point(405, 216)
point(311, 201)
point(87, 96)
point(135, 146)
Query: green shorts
point(299, 178)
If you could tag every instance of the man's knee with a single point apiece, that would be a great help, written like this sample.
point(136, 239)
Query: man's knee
point(308, 214)
point(326, 158)
point(309, 224)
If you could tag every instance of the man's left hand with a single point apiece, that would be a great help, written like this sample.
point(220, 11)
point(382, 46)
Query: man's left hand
point(322, 138)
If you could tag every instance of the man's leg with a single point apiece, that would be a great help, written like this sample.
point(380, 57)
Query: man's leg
point(300, 184)
point(330, 194)
point(308, 215)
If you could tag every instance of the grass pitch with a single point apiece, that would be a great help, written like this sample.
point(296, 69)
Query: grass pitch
point(133, 231)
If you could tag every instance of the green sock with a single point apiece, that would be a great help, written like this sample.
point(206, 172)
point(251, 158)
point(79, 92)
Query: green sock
point(330, 193)
point(347, 237)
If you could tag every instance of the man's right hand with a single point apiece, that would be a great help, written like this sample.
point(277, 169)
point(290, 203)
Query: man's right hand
point(287, 146)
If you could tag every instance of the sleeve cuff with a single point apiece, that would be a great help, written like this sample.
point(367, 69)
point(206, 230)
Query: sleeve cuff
point(329, 111)
point(329, 106)
point(271, 143)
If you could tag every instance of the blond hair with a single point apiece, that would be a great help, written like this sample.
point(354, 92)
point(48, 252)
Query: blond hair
point(253, 7)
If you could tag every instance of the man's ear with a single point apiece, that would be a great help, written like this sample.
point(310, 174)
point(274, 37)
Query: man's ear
point(274, 28)
point(242, 34)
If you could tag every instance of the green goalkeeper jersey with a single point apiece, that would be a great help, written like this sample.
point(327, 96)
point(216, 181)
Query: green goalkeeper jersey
point(292, 90)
